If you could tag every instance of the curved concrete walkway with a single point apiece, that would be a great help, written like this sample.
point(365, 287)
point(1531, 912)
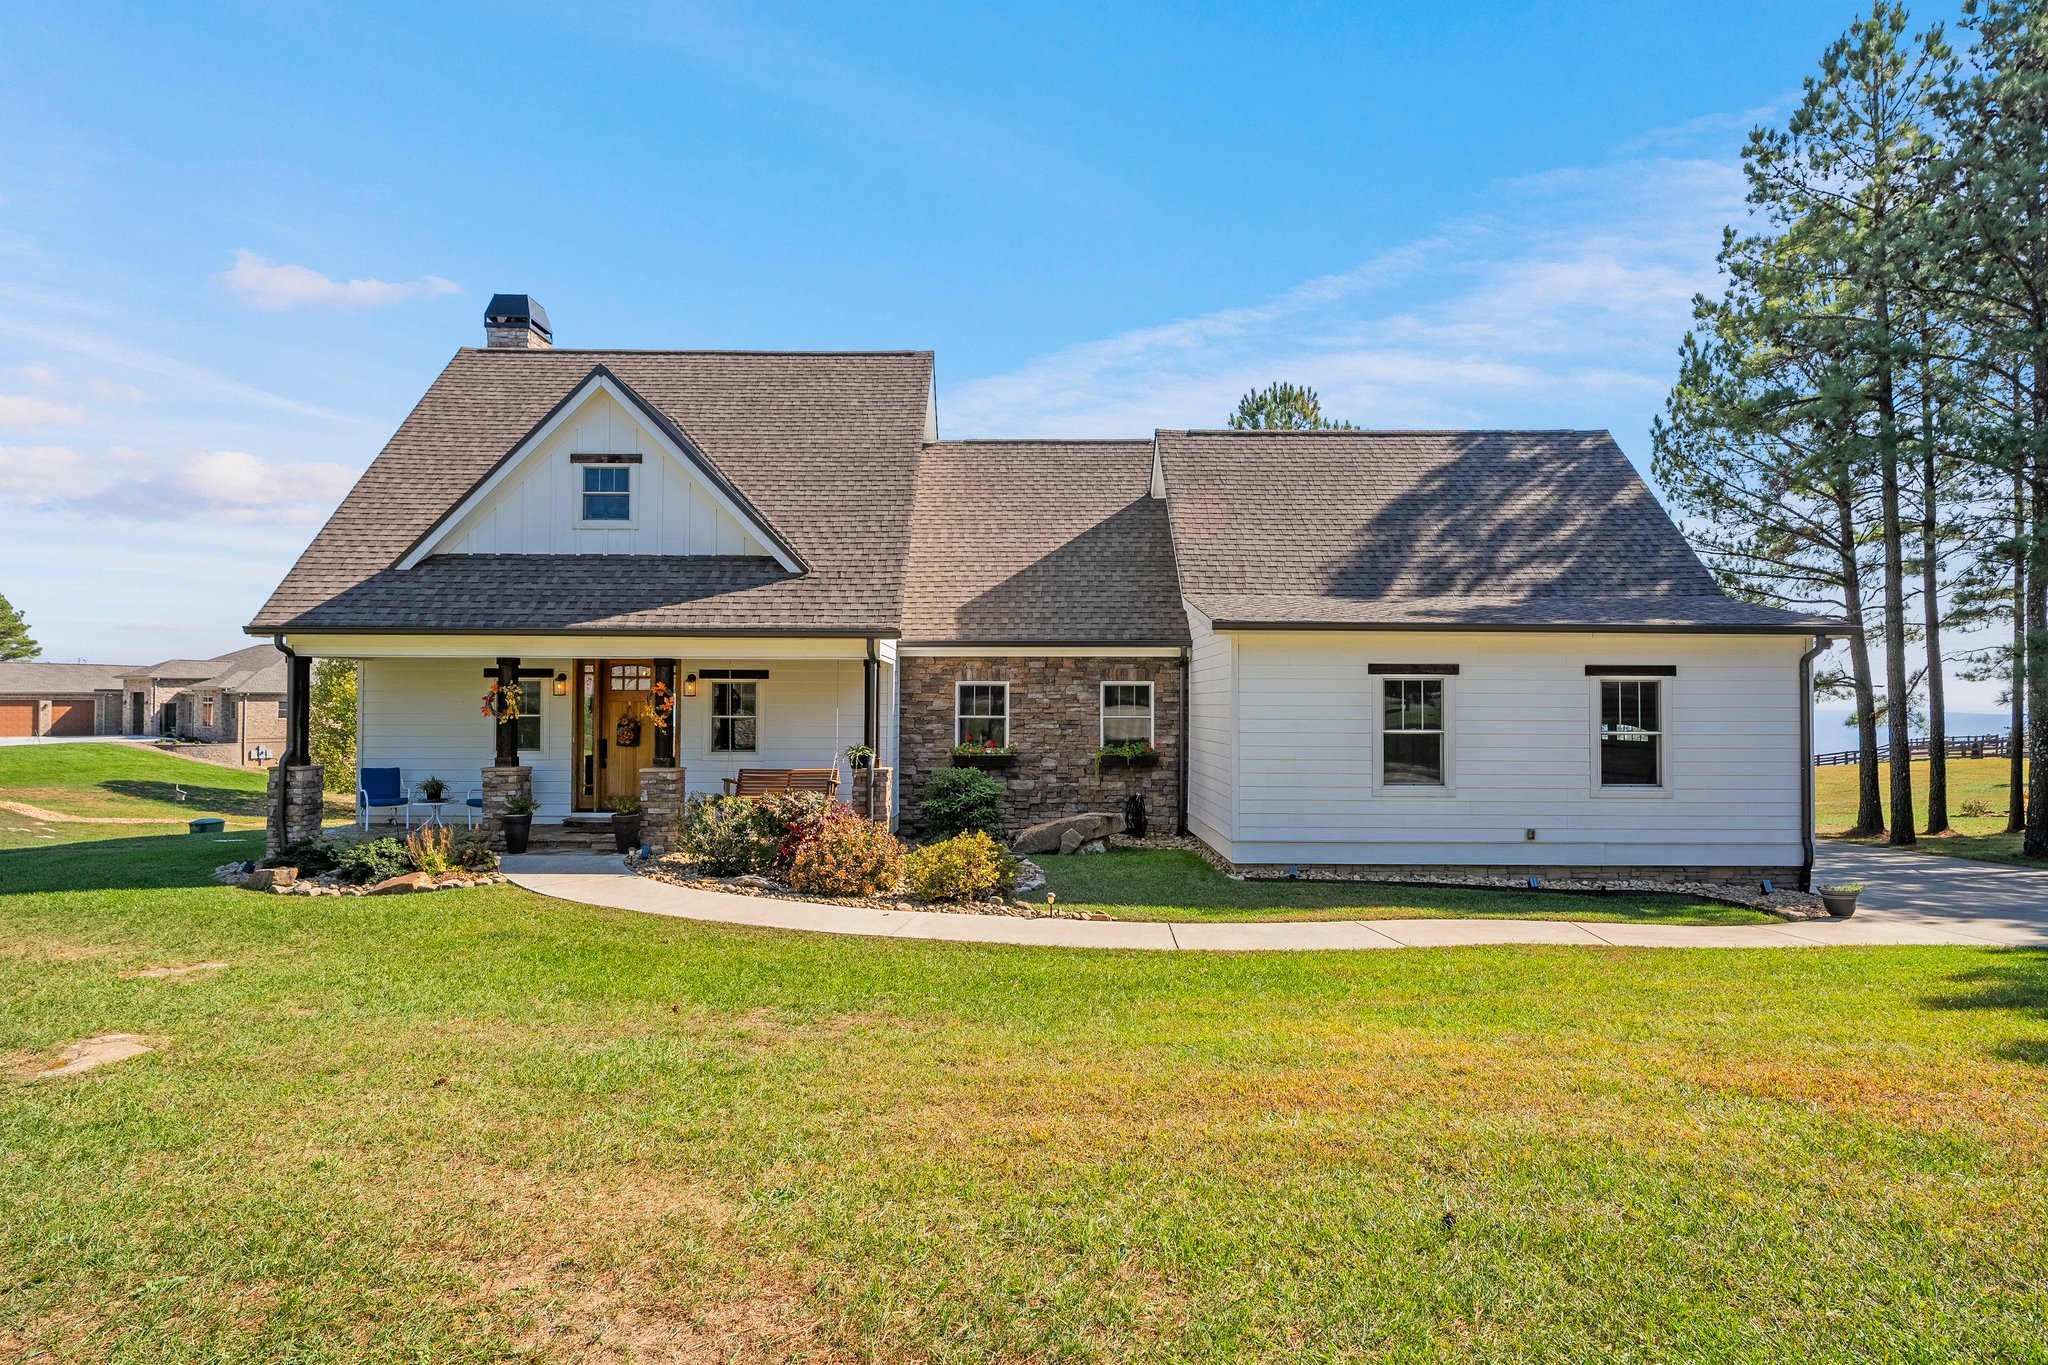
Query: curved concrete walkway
point(594, 879)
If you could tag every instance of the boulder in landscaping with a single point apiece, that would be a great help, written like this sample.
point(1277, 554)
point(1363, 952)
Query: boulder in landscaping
point(272, 878)
point(402, 884)
point(1050, 836)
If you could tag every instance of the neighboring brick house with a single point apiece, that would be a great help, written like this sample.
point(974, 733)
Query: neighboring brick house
point(62, 701)
point(233, 700)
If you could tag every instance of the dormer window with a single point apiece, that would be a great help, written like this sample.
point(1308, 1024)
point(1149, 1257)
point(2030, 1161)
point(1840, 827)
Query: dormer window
point(608, 492)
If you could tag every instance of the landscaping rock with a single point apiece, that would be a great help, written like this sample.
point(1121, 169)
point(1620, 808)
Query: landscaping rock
point(403, 884)
point(272, 878)
point(1070, 843)
point(1050, 836)
point(1094, 846)
point(1030, 876)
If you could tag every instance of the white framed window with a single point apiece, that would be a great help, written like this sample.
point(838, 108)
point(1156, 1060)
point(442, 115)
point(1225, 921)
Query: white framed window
point(532, 738)
point(735, 717)
point(1628, 735)
point(607, 491)
point(1127, 713)
point(981, 714)
point(1414, 748)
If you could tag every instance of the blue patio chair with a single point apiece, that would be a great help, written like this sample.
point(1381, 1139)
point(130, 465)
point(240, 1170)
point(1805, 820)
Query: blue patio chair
point(473, 806)
point(377, 787)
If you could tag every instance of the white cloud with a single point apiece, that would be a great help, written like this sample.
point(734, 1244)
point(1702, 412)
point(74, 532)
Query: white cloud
point(18, 411)
point(102, 387)
point(266, 284)
point(40, 374)
point(1563, 306)
point(230, 487)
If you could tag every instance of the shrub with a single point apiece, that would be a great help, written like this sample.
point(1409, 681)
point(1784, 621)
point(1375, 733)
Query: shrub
point(310, 856)
point(431, 849)
point(843, 854)
point(374, 860)
point(968, 866)
point(623, 805)
point(775, 817)
point(717, 833)
point(473, 852)
point(1976, 808)
point(957, 800)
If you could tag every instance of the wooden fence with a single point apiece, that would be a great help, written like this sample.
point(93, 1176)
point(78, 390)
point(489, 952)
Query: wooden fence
point(1958, 746)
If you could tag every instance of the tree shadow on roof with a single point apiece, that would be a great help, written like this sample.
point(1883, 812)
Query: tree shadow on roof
point(1113, 581)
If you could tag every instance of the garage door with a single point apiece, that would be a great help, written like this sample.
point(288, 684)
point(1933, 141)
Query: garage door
point(17, 718)
point(71, 717)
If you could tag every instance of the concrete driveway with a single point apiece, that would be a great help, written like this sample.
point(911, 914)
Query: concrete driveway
point(1916, 891)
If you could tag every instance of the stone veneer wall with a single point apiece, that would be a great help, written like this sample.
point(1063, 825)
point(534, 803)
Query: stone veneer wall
point(661, 806)
point(304, 795)
point(1056, 724)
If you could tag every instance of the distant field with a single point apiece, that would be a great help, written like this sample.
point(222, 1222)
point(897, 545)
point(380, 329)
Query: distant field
point(1981, 837)
point(117, 791)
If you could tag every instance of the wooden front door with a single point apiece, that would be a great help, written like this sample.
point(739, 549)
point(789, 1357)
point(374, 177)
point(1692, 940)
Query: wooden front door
point(625, 729)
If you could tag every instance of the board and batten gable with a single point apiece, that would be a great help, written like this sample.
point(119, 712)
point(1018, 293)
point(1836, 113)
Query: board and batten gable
point(533, 506)
point(1295, 778)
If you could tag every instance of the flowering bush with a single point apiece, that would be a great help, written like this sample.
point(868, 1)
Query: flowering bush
point(968, 866)
point(842, 854)
point(982, 748)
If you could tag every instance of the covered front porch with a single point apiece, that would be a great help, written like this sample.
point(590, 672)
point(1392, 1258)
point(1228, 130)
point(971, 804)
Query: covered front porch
point(603, 718)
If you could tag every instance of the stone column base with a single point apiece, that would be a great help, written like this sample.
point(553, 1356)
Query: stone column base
point(297, 801)
point(500, 783)
point(661, 806)
point(882, 781)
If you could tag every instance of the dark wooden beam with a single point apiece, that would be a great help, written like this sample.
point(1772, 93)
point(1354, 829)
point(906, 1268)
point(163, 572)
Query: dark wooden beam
point(665, 736)
point(298, 724)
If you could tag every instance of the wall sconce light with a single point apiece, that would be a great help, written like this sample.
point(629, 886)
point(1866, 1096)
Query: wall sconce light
point(690, 685)
point(561, 684)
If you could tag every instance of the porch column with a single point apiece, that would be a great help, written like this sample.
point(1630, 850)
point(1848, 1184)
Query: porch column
point(665, 735)
point(508, 729)
point(298, 728)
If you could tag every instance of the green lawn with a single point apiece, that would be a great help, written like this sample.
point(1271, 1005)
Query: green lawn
point(476, 1125)
point(124, 783)
point(1979, 837)
point(1180, 886)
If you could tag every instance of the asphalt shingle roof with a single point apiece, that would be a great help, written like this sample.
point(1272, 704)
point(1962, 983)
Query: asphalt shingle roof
point(27, 678)
point(1016, 542)
point(824, 446)
point(1389, 529)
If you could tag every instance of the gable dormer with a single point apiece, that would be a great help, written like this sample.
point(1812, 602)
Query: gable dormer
point(604, 474)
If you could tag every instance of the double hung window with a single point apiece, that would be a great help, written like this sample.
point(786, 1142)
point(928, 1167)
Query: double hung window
point(1412, 732)
point(981, 715)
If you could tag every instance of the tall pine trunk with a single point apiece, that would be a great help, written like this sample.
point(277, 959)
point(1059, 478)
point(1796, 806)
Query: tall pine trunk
point(2035, 843)
point(1930, 611)
point(1898, 711)
point(2016, 775)
point(1869, 804)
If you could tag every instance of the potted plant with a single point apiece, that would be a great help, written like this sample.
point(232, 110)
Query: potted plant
point(625, 822)
point(860, 757)
point(980, 753)
point(1840, 899)
point(433, 791)
point(517, 821)
point(1136, 753)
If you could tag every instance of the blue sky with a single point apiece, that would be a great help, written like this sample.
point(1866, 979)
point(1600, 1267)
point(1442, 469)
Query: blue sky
point(236, 243)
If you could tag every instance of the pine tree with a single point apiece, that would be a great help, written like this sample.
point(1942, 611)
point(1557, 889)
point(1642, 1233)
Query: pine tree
point(15, 642)
point(1283, 407)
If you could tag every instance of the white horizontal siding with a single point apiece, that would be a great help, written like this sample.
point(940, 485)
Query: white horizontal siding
point(1520, 751)
point(1211, 731)
point(424, 717)
point(535, 511)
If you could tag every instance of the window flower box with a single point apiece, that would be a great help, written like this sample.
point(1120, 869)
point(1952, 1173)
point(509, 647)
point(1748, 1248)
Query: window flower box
point(1110, 763)
point(988, 762)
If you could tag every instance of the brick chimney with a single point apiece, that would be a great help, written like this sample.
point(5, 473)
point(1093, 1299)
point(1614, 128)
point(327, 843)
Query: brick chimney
point(517, 322)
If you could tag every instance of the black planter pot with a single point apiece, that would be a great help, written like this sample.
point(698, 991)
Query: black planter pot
point(625, 832)
point(517, 829)
point(986, 762)
point(1112, 764)
point(1839, 904)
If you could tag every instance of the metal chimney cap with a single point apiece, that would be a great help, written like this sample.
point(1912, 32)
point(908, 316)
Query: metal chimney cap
point(509, 310)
